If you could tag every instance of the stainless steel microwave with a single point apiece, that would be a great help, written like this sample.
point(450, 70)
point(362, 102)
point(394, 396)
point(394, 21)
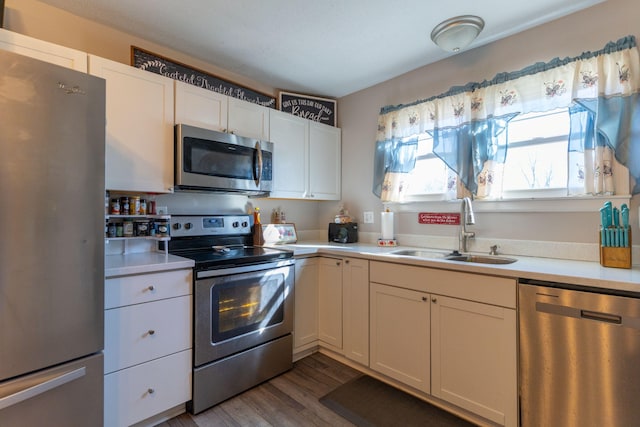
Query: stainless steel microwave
point(207, 160)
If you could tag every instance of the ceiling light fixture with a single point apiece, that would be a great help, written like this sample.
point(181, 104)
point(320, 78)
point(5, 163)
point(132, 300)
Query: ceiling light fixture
point(457, 33)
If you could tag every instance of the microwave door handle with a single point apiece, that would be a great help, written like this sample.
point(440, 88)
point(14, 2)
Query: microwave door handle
point(257, 164)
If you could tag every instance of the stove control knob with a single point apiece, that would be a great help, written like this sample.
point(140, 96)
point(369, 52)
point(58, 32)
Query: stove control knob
point(235, 224)
point(177, 226)
point(245, 224)
point(188, 226)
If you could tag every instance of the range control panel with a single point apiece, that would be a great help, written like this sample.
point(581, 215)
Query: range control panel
point(215, 225)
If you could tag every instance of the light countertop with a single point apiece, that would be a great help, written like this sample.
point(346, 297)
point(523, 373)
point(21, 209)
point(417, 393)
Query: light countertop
point(581, 273)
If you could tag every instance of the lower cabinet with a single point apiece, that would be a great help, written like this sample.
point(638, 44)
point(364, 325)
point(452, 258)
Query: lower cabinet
point(355, 310)
point(305, 324)
point(147, 353)
point(330, 301)
point(400, 329)
point(449, 334)
point(473, 357)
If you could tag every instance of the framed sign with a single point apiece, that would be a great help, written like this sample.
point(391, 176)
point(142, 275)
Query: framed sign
point(154, 63)
point(322, 110)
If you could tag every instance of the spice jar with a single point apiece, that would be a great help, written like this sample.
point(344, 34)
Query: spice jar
point(141, 227)
point(115, 207)
point(119, 230)
point(134, 205)
point(143, 207)
point(161, 228)
point(127, 228)
point(124, 205)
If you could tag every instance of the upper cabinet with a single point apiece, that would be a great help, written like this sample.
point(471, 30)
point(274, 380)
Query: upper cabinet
point(204, 108)
point(139, 134)
point(43, 51)
point(200, 107)
point(306, 158)
point(248, 119)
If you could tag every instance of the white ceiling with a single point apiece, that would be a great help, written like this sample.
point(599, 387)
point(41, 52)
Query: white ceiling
point(321, 47)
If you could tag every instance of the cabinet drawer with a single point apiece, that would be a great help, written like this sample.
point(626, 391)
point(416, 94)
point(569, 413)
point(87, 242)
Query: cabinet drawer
point(136, 289)
point(138, 333)
point(145, 390)
point(470, 286)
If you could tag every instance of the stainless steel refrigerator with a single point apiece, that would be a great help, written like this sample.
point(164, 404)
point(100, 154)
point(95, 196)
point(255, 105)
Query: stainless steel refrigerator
point(52, 133)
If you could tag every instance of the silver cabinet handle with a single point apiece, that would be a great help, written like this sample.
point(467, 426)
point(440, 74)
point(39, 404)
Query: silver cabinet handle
point(43, 387)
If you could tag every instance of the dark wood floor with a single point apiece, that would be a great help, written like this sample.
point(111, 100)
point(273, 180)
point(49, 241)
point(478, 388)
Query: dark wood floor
point(290, 399)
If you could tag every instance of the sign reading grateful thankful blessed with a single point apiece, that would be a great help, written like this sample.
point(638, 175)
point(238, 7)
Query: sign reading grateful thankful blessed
point(309, 107)
point(148, 61)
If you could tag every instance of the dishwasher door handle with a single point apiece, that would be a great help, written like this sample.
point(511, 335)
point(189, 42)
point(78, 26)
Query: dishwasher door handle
point(578, 313)
point(602, 317)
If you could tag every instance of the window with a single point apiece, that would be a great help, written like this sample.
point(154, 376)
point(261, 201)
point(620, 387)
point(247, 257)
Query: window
point(536, 164)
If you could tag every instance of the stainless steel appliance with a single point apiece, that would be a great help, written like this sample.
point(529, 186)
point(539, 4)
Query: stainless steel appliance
point(52, 133)
point(579, 356)
point(207, 160)
point(243, 306)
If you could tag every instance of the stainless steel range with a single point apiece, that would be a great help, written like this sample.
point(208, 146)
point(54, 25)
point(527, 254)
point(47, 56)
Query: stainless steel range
point(243, 306)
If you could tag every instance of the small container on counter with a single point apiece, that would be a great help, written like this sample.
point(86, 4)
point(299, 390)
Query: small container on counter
point(143, 207)
point(161, 227)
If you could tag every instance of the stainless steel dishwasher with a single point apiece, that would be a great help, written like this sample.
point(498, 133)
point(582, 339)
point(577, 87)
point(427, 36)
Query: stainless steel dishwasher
point(579, 356)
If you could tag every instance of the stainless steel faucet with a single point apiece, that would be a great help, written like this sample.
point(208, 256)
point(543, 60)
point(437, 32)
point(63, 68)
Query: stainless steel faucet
point(466, 218)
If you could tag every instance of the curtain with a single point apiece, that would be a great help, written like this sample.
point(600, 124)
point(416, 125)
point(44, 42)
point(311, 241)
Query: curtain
point(394, 159)
point(469, 123)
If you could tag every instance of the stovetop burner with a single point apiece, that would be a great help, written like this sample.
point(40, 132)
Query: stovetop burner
point(219, 241)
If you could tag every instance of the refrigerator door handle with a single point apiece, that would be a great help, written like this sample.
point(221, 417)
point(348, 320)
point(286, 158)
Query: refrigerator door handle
point(42, 387)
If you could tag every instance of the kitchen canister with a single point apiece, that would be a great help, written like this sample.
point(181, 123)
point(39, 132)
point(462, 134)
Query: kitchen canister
point(386, 221)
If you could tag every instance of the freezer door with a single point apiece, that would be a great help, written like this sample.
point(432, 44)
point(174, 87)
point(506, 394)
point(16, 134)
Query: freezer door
point(69, 395)
point(52, 131)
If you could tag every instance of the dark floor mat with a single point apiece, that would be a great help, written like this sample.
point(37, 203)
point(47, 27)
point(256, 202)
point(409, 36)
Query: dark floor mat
point(367, 402)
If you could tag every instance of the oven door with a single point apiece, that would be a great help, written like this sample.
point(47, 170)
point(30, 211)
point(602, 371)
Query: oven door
point(241, 307)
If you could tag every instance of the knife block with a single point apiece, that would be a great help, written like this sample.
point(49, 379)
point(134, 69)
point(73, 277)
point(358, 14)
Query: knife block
point(615, 257)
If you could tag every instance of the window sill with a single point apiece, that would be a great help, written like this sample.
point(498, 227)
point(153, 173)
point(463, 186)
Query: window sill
point(565, 204)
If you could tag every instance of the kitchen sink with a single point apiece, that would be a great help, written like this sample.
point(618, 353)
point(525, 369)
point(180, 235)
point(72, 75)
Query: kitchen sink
point(419, 253)
point(481, 259)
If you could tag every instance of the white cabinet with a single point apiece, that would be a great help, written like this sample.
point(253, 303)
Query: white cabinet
point(147, 353)
point(469, 322)
point(42, 50)
point(306, 158)
point(355, 313)
point(473, 358)
point(139, 135)
point(305, 329)
point(200, 107)
point(248, 119)
point(400, 345)
point(330, 302)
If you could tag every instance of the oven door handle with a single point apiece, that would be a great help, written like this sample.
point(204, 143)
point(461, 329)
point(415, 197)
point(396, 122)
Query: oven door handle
point(257, 164)
point(243, 269)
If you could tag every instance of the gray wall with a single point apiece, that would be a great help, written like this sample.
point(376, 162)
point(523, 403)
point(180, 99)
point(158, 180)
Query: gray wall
point(587, 30)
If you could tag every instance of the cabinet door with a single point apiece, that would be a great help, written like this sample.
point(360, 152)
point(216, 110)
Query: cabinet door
point(324, 161)
point(139, 137)
point(44, 51)
point(290, 137)
point(248, 119)
point(200, 107)
point(330, 301)
point(474, 357)
point(355, 314)
point(305, 327)
point(400, 327)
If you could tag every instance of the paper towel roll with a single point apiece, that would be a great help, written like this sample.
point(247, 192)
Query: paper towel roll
point(387, 225)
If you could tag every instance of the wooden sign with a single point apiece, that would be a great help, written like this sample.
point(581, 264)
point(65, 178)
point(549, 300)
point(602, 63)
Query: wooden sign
point(439, 218)
point(148, 61)
point(320, 110)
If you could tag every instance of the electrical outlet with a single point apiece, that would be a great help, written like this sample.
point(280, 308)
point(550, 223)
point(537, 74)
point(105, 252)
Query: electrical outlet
point(368, 217)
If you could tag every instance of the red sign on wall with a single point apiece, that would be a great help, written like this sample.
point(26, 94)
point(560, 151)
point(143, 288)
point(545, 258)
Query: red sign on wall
point(439, 218)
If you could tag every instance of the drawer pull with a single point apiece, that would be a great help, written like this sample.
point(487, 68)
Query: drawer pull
point(151, 391)
point(151, 332)
point(151, 288)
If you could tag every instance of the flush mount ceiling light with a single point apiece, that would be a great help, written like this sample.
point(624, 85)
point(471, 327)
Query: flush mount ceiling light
point(457, 33)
